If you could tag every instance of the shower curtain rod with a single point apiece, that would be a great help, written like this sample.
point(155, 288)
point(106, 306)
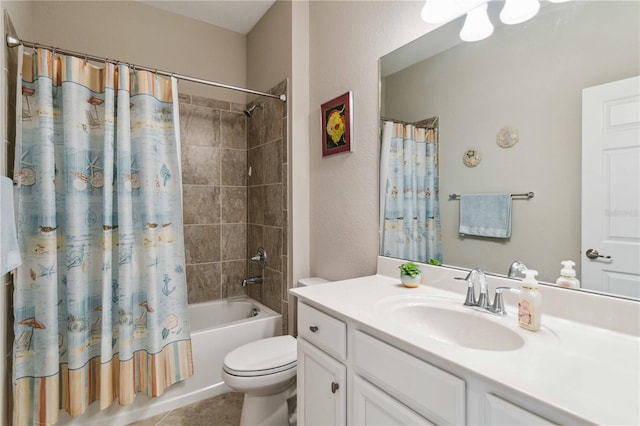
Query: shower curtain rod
point(15, 42)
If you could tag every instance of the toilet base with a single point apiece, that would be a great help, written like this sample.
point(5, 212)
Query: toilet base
point(269, 410)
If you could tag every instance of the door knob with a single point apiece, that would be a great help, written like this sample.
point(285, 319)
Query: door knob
point(334, 387)
point(313, 328)
point(593, 254)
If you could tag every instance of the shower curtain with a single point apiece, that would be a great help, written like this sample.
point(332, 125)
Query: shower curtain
point(100, 303)
point(409, 207)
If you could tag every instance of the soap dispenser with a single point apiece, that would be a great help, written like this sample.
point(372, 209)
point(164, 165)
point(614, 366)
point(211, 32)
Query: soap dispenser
point(568, 275)
point(530, 302)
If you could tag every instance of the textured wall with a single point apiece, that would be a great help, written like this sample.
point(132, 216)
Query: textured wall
point(346, 40)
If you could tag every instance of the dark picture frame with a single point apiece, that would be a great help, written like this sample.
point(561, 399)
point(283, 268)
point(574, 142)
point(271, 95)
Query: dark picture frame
point(337, 121)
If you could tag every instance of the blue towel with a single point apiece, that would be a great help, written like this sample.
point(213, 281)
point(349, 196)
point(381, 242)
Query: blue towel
point(486, 215)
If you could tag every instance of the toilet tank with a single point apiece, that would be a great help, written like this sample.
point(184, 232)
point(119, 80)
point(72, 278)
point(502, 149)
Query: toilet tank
point(303, 282)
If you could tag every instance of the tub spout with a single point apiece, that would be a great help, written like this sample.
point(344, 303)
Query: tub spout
point(252, 280)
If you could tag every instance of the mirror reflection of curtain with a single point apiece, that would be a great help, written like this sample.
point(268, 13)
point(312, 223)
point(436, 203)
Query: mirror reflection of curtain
point(410, 210)
point(100, 301)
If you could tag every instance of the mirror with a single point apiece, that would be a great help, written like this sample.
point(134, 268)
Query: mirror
point(528, 77)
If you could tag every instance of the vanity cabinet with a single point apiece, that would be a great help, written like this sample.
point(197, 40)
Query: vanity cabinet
point(349, 375)
point(322, 374)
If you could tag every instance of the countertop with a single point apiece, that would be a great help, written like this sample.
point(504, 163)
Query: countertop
point(589, 372)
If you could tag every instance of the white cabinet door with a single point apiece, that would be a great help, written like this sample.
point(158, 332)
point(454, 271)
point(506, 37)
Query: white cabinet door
point(371, 407)
point(499, 412)
point(322, 383)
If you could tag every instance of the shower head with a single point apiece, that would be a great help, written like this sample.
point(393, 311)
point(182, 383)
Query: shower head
point(249, 112)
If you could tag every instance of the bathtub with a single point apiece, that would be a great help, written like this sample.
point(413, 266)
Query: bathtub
point(217, 328)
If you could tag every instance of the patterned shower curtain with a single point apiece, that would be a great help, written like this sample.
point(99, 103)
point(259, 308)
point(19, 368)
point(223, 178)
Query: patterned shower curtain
point(100, 303)
point(410, 209)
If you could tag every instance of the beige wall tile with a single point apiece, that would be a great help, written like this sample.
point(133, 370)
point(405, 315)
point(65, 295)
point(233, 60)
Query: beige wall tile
point(199, 125)
point(201, 204)
point(202, 243)
point(257, 204)
point(272, 244)
point(273, 205)
point(234, 168)
point(200, 165)
point(203, 282)
point(233, 130)
point(272, 170)
point(234, 204)
point(233, 273)
point(273, 120)
point(255, 160)
point(233, 241)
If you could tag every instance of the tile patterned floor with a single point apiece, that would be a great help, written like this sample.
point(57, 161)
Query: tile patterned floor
point(222, 410)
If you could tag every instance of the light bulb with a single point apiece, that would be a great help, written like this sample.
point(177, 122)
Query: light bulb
point(437, 11)
point(517, 11)
point(477, 25)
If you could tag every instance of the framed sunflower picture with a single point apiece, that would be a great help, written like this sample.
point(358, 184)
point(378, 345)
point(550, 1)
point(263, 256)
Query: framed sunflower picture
point(337, 116)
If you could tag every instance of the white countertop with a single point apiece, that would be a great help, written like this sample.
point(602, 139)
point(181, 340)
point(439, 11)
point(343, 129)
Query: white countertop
point(589, 372)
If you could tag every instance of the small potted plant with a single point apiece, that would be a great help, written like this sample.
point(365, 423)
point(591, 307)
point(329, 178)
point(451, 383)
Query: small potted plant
point(410, 275)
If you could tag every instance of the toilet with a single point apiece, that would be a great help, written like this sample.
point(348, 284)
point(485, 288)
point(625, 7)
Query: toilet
point(265, 371)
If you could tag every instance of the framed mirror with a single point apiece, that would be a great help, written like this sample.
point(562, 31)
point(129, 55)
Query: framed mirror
point(516, 99)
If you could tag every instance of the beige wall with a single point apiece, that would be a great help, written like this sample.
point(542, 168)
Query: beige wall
point(346, 40)
point(269, 48)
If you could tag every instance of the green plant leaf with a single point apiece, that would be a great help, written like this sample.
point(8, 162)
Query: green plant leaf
point(410, 269)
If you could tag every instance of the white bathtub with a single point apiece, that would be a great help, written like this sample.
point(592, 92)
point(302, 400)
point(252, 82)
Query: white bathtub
point(216, 328)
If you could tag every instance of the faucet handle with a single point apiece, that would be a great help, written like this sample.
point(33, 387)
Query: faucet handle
point(470, 300)
point(498, 304)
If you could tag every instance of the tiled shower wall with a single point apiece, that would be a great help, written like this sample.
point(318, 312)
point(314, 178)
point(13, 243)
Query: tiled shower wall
point(214, 163)
point(235, 198)
point(267, 200)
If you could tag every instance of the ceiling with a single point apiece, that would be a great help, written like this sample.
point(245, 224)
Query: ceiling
point(235, 15)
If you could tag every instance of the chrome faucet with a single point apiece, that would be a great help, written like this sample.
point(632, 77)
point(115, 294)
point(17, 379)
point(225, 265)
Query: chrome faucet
point(477, 276)
point(261, 259)
point(516, 266)
point(253, 280)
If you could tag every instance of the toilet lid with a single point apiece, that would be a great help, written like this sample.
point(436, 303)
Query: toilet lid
point(265, 356)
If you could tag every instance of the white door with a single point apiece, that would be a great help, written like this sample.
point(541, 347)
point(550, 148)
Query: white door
point(611, 187)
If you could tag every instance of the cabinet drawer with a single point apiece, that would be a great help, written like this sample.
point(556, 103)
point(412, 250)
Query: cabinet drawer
point(431, 392)
point(323, 330)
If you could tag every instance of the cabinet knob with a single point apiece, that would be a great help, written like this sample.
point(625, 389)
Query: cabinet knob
point(313, 328)
point(334, 387)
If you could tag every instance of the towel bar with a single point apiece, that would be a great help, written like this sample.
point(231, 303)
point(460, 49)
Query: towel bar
point(525, 194)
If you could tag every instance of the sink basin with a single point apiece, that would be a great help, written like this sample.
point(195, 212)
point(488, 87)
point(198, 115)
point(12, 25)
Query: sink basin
point(454, 325)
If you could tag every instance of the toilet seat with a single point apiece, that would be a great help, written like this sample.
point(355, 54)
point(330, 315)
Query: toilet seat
point(262, 357)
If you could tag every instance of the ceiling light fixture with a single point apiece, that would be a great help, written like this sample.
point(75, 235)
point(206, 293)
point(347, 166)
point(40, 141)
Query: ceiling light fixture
point(518, 11)
point(477, 25)
point(437, 11)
